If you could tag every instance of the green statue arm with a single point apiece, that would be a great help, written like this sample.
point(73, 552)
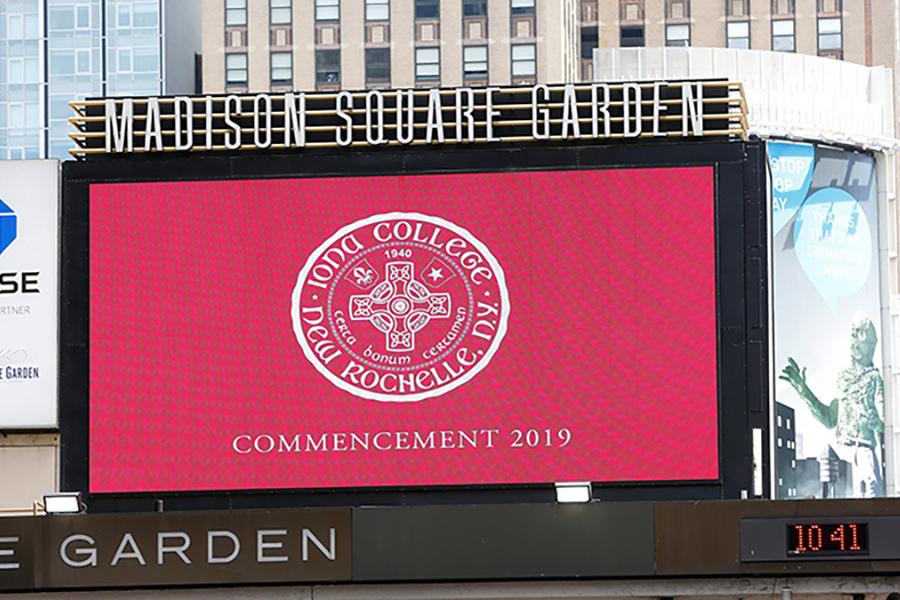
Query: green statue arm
point(825, 414)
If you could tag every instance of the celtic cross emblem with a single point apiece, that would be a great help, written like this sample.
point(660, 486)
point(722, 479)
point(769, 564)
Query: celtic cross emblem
point(399, 306)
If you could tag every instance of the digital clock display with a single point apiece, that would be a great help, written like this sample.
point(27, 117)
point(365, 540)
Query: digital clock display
point(827, 539)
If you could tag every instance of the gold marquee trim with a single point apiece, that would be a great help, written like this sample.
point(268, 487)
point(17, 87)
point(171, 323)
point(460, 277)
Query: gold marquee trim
point(603, 112)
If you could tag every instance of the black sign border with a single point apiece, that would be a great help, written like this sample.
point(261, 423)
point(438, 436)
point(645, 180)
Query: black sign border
point(742, 307)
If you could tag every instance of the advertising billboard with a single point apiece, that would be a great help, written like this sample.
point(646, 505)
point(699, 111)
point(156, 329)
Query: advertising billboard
point(29, 226)
point(463, 325)
point(829, 391)
point(514, 327)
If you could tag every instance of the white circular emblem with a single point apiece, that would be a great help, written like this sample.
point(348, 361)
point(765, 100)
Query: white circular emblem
point(400, 307)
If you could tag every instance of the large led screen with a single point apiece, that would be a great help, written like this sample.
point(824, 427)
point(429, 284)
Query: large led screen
point(489, 328)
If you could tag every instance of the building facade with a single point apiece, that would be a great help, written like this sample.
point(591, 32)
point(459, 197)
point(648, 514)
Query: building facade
point(56, 51)
point(256, 45)
point(860, 31)
point(785, 452)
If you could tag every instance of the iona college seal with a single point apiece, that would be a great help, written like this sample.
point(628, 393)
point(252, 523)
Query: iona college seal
point(400, 307)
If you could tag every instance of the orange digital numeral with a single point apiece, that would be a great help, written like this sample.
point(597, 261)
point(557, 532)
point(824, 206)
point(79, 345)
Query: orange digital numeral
point(854, 537)
point(838, 536)
point(814, 538)
point(800, 547)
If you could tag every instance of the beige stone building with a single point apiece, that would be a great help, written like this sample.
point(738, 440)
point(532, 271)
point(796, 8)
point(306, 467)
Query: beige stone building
point(860, 31)
point(259, 45)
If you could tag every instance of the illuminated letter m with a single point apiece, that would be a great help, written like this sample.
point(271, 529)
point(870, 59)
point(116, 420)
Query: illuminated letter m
point(125, 131)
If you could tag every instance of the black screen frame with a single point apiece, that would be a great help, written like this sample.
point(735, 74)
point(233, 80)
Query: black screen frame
point(741, 298)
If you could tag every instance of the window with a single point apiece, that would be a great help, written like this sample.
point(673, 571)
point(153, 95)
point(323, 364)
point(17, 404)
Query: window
point(428, 66)
point(522, 8)
point(475, 8)
point(15, 114)
point(60, 148)
point(281, 68)
point(783, 35)
point(678, 9)
point(328, 10)
point(236, 69)
point(830, 34)
point(124, 60)
point(146, 14)
point(235, 12)
point(475, 65)
point(82, 16)
point(631, 36)
point(31, 70)
point(123, 15)
point(678, 35)
point(588, 11)
point(829, 6)
point(328, 66)
point(62, 62)
point(378, 10)
point(146, 60)
point(31, 29)
point(15, 27)
point(16, 153)
point(378, 65)
point(782, 7)
point(16, 70)
point(83, 62)
point(280, 12)
point(737, 8)
point(22, 70)
point(428, 9)
point(523, 60)
point(738, 35)
point(62, 17)
point(631, 10)
point(589, 41)
point(59, 107)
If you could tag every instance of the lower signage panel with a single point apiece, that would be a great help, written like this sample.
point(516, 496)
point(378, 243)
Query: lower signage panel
point(449, 543)
point(87, 551)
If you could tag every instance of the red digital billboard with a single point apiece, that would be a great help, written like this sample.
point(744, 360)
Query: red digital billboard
point(410, 330)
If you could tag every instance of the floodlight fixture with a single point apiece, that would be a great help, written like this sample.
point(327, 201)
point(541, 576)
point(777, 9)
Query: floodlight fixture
point(63, 503)
point(577, 491)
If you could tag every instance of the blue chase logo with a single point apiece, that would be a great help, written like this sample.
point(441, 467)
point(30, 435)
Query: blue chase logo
point(7, 226)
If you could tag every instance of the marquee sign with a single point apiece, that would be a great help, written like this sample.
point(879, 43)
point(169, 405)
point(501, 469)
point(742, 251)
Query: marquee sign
point(298, 120)
point(454, 543)
point(175, 548)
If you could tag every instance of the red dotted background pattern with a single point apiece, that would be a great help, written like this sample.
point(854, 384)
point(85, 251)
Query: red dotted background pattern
point(612, 331)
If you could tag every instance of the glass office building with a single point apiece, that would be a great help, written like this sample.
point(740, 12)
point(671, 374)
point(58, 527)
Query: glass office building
point(21, 79)
point(55, 51)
